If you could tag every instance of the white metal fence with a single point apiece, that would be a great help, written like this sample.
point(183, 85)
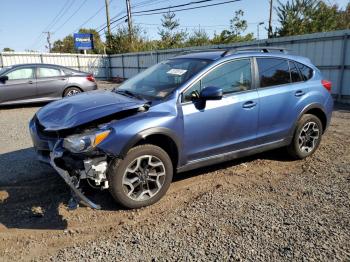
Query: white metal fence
point(329, 51)
point(96, 64)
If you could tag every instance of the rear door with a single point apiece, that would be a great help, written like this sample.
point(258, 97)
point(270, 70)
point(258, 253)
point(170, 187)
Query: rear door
point(280, 88)
point(20, 86)
point(51, 82)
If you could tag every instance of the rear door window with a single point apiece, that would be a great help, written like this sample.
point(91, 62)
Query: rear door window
point(48, 72)
point(273, 72)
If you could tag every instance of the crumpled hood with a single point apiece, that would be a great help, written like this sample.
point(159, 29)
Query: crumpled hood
point(84, 108)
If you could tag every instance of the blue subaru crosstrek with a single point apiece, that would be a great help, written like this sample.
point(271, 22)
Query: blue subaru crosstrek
point(186, 112)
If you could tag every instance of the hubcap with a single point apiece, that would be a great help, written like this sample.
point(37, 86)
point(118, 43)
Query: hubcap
point(308, 137)
point(144, 177)
point(73, 92)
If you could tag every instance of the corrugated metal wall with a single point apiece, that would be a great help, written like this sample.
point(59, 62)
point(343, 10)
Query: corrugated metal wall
point(328, 51)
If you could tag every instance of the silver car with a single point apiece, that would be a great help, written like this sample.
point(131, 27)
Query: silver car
point(27, 83)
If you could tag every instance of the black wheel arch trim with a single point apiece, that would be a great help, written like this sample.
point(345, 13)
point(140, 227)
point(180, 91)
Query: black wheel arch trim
point(307, 108)
point(148, 132)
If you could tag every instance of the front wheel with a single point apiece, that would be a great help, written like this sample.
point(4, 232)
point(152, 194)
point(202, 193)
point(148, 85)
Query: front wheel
point(307, 137)
point(142, 177)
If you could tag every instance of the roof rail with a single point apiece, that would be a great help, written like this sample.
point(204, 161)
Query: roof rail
point(183, 52)
point(262, 49)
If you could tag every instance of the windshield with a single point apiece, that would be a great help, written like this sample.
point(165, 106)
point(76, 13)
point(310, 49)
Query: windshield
point(161, 79)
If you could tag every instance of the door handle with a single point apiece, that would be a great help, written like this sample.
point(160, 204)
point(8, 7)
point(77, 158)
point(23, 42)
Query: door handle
point(249, 104)
point(63, 78)
point(30, 82)
point(299, 93)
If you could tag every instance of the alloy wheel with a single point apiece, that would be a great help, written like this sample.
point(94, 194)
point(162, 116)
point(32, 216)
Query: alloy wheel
point(144, 177)
point(308, 137)
point(73, 92)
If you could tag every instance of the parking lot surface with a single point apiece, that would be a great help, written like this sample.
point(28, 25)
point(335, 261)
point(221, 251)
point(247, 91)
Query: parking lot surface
point(264, 207)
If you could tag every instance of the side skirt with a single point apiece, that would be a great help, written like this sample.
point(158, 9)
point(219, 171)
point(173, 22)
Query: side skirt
point(232, 155)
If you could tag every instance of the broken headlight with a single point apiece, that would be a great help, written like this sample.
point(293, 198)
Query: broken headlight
point(85, 142)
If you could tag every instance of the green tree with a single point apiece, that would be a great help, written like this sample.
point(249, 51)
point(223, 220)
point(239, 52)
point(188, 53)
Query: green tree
point(198, 38)
point(297, 17)
point(66, 45)
point(7, 49)
point(237, 27)
point(120, 41)
point(171, 35)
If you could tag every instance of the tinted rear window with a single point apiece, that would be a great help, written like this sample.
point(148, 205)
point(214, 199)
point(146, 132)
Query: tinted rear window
point(273, 71)
point(305, 71)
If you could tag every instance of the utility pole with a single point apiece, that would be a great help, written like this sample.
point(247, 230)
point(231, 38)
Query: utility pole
point(108, 23)
point(128, 9)
point(48, 38)
point(269, 32)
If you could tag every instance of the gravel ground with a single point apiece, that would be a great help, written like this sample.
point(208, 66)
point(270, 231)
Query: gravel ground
point(264, 207)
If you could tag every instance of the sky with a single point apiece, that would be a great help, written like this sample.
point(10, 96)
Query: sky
point(22, 22)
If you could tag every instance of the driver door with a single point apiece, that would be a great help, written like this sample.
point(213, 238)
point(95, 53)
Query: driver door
point(20, 86)
point(226, 125)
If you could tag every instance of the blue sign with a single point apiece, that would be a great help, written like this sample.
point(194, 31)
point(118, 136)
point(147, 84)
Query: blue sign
point(83, 41)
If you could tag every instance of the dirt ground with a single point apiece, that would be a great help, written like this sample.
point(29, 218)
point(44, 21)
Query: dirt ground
point(264, 207)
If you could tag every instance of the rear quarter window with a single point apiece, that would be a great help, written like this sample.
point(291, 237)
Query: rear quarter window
point(294, 72)
point(305, 71)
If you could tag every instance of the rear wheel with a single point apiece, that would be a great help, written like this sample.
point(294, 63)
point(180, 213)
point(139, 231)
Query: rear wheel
point(307, 137)
point(71, 91)
point(142, 177)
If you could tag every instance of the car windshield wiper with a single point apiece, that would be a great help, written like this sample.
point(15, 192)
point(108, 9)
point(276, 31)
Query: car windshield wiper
point(127, 93)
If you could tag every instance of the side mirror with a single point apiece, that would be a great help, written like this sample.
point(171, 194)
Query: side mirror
point(3, 79)
point(211, 93)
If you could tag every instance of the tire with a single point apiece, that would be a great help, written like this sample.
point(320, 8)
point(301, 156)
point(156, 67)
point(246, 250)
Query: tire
point(137, 173)
point(71, 91)
point(307, 137)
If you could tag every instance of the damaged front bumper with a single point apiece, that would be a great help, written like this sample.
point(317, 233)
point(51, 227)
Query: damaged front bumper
point(69, 180)
point(71, 167)
point(92, 172)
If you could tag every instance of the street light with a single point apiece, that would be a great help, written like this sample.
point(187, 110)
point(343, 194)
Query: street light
point(258, 27)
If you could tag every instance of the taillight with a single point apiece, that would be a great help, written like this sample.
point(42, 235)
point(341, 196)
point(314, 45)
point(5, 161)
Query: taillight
point(327, 84)
point(90, 78)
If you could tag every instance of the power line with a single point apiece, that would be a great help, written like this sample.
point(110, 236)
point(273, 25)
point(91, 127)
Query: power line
point(57, 17)
point(141, 4)
point(55, 20)
point(143, 13)
point(186, 9)
point(175, 6)
point(90, 18)
point(69, 18)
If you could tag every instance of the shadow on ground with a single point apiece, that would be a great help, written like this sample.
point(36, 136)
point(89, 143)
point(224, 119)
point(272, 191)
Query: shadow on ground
point(32, 199)
point(26, 187)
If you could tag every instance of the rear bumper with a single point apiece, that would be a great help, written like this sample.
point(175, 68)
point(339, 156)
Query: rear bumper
point(90, 87)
